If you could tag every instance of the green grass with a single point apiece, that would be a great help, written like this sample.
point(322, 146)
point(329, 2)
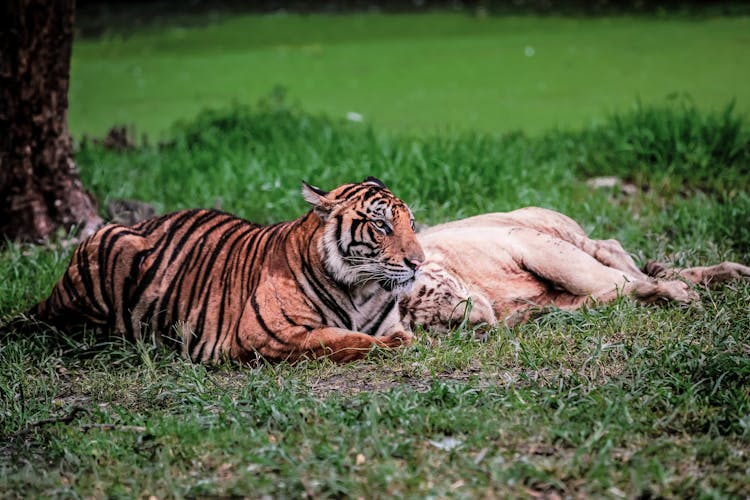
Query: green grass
point(617, 400)
point(415, 73)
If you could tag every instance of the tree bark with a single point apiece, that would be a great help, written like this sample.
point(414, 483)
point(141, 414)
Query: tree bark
point(40, 188)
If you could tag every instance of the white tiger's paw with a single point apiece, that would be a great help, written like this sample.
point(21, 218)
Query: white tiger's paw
point(681, 292)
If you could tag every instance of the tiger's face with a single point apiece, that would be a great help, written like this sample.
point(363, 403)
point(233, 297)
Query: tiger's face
point(368, 235)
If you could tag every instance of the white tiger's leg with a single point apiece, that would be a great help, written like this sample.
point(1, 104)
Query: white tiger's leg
point(612, 254)
point(706, 275)
point(608, 252)
point(651, 292)
point(576, 271)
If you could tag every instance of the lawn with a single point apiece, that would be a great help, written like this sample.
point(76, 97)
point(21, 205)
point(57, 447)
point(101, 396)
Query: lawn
point(619, 400)
point(410, 73)
point(461, 115)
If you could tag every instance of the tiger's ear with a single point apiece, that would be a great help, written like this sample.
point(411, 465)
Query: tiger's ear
point(374, 180)
point(316, 197)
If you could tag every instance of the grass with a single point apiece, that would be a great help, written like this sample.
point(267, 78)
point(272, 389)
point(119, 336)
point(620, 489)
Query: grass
point(617, 400)
point(410, 73)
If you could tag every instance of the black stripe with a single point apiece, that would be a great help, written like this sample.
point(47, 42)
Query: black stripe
point(361, 244)
point(370, 232)
point(148, 276)
point(250, 249)
point(355, 224)
point(339, 230)
point(71, 290)
point(101, 271)
point(373, 329)
point(197, 225)
point(134, 286)
point(130, 282)
point(300, 281)
point(321, 291)
point(84, 272)
point(209, 270)
point(199, 328)
point(147, 225)
point(261, 323)
point(164, 320)
point(146, 317)
point(251, 267)
point(220, 322)
point(164, 245)
point(204, 274)
point(229, 272)
point(348, 190)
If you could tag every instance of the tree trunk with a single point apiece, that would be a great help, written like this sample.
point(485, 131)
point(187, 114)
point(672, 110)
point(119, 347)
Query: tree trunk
point(40, 189)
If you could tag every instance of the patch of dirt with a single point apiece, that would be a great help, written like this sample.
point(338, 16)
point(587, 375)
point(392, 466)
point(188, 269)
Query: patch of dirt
point(352, 382)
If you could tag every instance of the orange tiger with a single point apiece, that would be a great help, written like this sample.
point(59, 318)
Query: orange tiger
point(217, 286)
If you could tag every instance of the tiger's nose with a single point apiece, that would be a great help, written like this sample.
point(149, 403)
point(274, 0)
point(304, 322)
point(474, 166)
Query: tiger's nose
point(413, 264)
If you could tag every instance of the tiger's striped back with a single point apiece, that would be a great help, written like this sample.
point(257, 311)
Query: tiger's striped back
point(219, 286)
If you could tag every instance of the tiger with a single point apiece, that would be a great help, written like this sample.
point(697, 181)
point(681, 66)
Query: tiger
point(216, 286)
point(503, 268)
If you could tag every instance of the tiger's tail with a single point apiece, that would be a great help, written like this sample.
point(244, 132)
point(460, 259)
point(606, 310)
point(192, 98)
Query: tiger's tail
point(22, 325)
point(56, 314)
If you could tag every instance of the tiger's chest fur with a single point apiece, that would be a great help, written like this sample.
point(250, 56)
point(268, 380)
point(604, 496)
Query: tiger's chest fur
point(367, 310)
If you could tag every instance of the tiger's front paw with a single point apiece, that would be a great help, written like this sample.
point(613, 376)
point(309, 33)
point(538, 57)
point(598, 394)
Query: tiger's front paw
point(396, 339)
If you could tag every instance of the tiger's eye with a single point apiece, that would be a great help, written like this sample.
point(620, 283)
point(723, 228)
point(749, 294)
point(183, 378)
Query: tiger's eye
point(382, 226)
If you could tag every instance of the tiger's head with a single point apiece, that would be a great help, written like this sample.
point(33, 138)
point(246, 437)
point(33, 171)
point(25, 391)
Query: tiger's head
point(368, 235)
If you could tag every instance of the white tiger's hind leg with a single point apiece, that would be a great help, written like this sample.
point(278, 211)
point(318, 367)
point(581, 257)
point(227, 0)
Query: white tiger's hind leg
point(608, 252)
point(611, 254)
point(583, 275)
point(651, 292)
point(705, 275)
